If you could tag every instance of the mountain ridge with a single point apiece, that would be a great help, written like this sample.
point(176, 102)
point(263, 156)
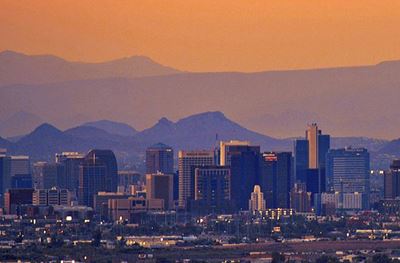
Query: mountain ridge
point(19, 68)
point(198, 131)
point(344, 101)
point(113, 127)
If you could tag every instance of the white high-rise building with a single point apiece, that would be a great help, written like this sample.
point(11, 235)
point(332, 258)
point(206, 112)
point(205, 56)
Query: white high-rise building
point(257, 202)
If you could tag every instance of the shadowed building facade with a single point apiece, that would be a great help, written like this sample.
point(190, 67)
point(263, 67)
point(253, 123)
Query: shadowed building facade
point(69, 178)
point(98, 172)
point(212, 189)
point(160, 186)
point(392, 181)
point(188, 161)
point(159, 158)
point(275, 178)
point(244, 160)
point(348, 171)
point(5, 175)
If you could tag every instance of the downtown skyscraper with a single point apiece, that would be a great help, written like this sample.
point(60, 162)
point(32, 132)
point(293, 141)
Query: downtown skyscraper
point(98, 172)
point(348, 172)
point(275, 178)
point(159, 158)
point(310, 159)
point(244, 162)
point(188, 161)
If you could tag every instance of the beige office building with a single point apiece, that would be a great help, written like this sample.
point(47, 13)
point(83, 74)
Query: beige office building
point(312, 138)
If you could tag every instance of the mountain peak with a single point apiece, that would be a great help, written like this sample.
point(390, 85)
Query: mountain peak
point(165, 122)
point(206, 116)
point(6, 53)
point(46, 129)
point(14, 56)
point(19, 68)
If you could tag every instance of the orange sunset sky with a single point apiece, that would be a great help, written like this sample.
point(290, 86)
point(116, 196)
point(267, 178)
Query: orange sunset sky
point(203, 35)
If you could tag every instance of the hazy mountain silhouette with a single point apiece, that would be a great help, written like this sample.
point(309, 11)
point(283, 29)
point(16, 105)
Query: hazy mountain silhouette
point(347, 101)
point(19, 123)
point(194, 132)
point(391, 148)
point(199, 131)
point(46, 140)
point(113, 127)
point(5, 144)
point(24, 69)
point(202, 131)
point(43, 143)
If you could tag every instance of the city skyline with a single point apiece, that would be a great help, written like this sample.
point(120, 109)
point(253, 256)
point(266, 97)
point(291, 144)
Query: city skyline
point(199, 131)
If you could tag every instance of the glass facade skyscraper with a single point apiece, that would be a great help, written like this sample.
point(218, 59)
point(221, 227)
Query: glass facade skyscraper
point(348, 171)
point(159, 158)
point(98, 172)
point(244, 161)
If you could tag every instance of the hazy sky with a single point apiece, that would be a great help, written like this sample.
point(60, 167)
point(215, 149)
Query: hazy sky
point(215, 35)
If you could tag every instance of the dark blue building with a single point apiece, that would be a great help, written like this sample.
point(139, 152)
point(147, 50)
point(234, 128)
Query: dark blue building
point(98, 172)
point(275, 178)
point(300, 160)
point(19, 181)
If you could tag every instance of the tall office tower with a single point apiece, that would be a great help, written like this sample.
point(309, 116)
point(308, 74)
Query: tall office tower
point(5, 174)
point(275, 178)
point(300, 160)
point(159, 158)
point(71, 161)
point(283, 176)
point(21, 181)
point(312, 138)
point(268, 174)
point(98, 172)
point(47, 175)
point(324, 144)
point(212, 189)
point(348, 170)
point(318, 147)
point(256, 202)
point(244, 161)
point(392, 181)
point(300, 199)
point(160, 186)
point(20, 166)
point(187, 162)
point(176, 185)
point(37, 175)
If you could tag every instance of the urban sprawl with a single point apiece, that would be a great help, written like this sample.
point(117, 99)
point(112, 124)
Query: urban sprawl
point(233, 202)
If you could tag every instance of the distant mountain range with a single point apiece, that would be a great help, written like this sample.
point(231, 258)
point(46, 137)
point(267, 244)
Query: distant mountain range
point(348, 101)
point(17, 68)
point(113, 127)
point(200, 131)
